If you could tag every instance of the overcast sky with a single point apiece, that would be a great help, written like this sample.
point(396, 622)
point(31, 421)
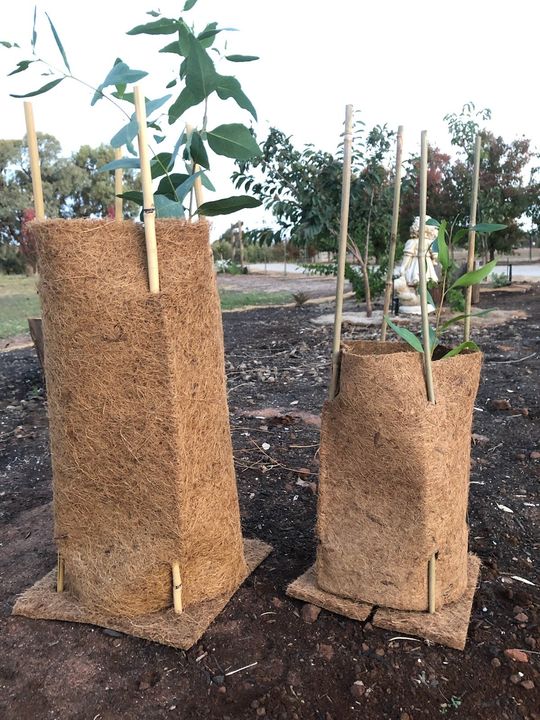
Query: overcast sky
point(398, 61)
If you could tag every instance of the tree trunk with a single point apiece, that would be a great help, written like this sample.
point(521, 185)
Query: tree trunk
point(367, 290)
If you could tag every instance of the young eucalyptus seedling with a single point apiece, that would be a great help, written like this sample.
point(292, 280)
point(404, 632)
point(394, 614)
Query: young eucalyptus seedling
point(197, 82)
point(466, 280)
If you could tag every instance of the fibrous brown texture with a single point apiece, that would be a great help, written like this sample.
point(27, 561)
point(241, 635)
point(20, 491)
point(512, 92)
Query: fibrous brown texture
point(182, 631)
point(447, 626)
point(305, 588)
point(394, 477)
point(143, 471)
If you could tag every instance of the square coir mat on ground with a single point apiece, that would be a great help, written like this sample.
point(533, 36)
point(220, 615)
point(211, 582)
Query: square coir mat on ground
point(448, 626)
point(42, 602)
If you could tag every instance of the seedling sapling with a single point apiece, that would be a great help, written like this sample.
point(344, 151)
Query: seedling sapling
point(467, 280)
point(199, 84)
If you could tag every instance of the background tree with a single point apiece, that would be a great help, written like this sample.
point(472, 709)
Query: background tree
point(72, 187)
point(302, 189)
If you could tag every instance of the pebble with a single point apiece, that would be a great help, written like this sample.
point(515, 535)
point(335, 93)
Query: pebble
point(530, 641)
point(495, 663)
point(405, 716)
point(310, 613)
point(521, 618)
point(261, 711)
point(516, 679)
point(358, 689)
point(528, 685)
point(379, 652)
point(516, 655)
point(500, 404)
point(520, 456)
point(326, 651)
point(479, 439)
point(535, 455)
point(277, 603)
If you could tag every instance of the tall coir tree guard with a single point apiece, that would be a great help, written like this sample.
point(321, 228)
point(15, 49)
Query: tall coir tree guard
point(146, 513)
point(395, 454)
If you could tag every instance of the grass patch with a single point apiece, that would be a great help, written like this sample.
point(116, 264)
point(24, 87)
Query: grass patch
point(231, 299)
point(18, 301)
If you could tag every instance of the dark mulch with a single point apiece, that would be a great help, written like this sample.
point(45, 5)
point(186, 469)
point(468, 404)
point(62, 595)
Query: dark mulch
point(277, 359)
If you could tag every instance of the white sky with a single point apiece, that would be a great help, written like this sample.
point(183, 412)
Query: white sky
point(399, 61)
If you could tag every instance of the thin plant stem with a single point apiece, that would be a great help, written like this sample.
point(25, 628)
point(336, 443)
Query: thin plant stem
point(393, 232)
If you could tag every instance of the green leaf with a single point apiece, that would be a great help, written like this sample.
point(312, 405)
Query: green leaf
point(58, 42)
point(430, 298)
point(171, 84)
point(45, 88)
point(7, 44)
point(173, 47)
point(468, 345)
point(207, 183)
point(126, 134)
point(160, 164)
point(188, 5)
point(198, 151)
point(229, 87)
point(406, 335)
point(153, 105)
point(118, 75)
point(153, 13)
point(186, 187)
point(444, 257)
point(167, 208)
point(488, 228)
point(225, 206)
point(459, 234)
point(124, 163)
point(201, 76)
point(168, 184)
point(133, 195)
point(458, 318)
point(242, 58)
point(163, 26)
point(34, 32)
point(22, 65)
point(183, 102)
point(475, 276)
point(234, 141)
point(432, 221)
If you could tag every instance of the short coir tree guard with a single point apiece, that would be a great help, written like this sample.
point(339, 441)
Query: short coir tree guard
point(143, 471)
point(394, 477)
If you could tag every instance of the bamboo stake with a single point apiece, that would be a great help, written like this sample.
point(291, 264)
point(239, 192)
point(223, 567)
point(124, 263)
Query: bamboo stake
point(472, 235)
point(428, 372)
point(177, 588)
point(342, 251)
point(199, 194)
point(118, 177)
point(60, 573)
point(149, 210)
point(393, 232)
point(432, 562)
point(35, 169)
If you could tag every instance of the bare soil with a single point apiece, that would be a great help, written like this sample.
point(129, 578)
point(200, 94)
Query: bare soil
point(277, 364)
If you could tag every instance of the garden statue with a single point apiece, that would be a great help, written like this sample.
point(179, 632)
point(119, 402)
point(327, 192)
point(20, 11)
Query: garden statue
point(406, 274)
